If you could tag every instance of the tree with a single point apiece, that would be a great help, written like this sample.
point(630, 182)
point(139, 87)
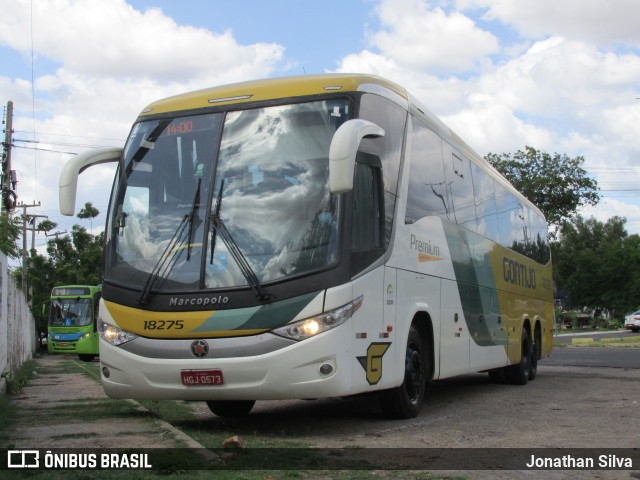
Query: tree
point(598, 264)
point(10, 231)
point(556, 184)
point(46, 226)
point(88, 211)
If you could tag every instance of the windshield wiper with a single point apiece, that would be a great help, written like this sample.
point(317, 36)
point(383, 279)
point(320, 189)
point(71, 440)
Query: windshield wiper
point(218, 226)
point(192, 216)
point(168, 258)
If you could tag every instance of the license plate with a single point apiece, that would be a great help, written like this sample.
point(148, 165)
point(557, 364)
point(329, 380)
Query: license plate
point(195, 378)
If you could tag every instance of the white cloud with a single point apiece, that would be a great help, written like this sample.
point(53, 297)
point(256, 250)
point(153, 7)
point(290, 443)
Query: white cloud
point(418, 37)
point(94, 37)
point(604, 23)
point(559, 84)
point(110, 60)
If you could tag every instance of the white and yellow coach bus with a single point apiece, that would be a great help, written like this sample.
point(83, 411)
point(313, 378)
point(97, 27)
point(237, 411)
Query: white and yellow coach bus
point(311, 237)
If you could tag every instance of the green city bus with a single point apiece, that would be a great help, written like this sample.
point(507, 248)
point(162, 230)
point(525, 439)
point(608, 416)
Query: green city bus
point(72, 320)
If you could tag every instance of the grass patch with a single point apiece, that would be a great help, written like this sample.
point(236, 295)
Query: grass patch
point(7, 418)
point(79, 412)
point(170, 411)
point(17, 380)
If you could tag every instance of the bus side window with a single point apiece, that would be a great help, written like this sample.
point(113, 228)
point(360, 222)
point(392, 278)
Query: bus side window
point(367, 225)
point(461, 188)
point(393, 119)
point(486, 207)
point(428, 192)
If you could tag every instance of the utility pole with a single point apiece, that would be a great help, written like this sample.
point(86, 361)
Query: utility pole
point(46, 234)
point(31, 220)
point(25, 252)
point(8, 177)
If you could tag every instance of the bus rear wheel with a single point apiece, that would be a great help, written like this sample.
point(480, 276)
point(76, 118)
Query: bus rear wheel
point(231, 408)
point(536, 353)
point(518, 374)
point(86, 357)
point(406, 400)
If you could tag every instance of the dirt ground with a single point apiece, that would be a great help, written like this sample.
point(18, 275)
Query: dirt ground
point(54, 389)
point(564, 407)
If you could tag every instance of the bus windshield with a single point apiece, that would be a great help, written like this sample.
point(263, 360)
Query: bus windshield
point(225, 199)
point(70, 312)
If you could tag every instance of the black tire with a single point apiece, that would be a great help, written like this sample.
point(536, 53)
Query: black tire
point(518, 374)
point(231, 408)
point(86, 357)
point(406, 400)
point(496, 375)
point(536, 353)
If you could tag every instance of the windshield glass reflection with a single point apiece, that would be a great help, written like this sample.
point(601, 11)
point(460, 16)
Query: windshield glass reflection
point(274, 171)
point(272, 164)
point(70, 312)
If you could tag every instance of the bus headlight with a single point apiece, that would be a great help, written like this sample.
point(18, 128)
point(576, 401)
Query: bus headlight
point(312, 326)
point(114, 335)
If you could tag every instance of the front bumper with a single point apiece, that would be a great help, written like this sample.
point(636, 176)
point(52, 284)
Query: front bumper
point(313, 368)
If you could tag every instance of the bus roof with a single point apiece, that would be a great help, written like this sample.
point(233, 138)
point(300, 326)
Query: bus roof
point(299, 86)
point(75, 290)
point(268, 89)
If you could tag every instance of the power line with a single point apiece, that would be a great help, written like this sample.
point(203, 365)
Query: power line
point(62, 144)
point(72, 136)
point(43, 149)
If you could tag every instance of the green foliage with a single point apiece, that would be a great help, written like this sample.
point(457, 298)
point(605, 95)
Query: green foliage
point(89, 211)
point(46, 225)
point(18, 379)
point(556, 184)
point(598, 264)
point(10, 231)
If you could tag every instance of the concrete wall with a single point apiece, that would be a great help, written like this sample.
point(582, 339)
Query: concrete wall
point(18, 336)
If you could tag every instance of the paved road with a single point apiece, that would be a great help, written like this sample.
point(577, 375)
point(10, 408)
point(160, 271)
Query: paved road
point(628, 358)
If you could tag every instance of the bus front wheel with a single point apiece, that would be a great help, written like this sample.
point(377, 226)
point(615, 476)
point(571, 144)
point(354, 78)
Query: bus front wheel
point(231, 408)
point(406, 400)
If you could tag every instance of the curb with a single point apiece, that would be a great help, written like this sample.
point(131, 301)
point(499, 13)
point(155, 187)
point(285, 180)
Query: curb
point(590, 340)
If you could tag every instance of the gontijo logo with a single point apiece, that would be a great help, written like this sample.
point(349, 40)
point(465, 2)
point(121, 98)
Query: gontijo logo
point(518, 274)
point(372, 363)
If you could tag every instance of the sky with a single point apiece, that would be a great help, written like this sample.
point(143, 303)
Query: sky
point(560, 76)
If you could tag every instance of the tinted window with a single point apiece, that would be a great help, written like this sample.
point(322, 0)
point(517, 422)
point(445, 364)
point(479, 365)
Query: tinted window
point(392, 118)
point(486, 207)
point(428, 194)
point(461, 188)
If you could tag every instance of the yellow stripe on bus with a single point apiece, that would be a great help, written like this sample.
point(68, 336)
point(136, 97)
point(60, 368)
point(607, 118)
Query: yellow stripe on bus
point(169, 324)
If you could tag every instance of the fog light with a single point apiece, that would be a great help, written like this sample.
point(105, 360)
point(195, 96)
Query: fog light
point(106, 372)
point(326, 369)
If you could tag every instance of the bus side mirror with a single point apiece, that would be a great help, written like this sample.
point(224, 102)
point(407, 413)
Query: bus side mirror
point(343, 149)
point(68, 184)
